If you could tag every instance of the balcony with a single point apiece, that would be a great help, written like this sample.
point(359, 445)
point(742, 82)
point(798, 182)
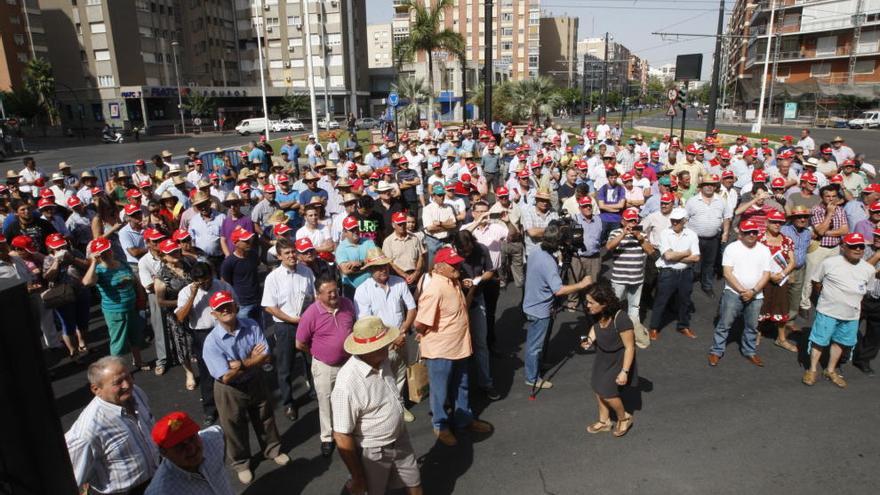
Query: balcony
point(844, 78)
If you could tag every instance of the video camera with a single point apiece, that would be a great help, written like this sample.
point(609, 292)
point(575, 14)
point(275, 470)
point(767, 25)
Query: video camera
point(571, 235)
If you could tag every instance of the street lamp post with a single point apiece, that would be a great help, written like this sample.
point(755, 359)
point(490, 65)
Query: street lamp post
point(259, 33)
point(759, 123)
point(174, 45)
point(716, 72)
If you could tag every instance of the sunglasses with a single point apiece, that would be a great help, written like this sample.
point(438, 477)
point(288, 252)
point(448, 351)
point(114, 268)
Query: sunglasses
point(857, 247)
point(750, 232)
point(262, 177)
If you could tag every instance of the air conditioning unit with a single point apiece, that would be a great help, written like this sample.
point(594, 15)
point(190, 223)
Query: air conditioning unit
point(288, 79)
point(334, 3)
point(287, 64)
point(291, 48)
point(266, 7)
point(329, 48)
point(269, 29)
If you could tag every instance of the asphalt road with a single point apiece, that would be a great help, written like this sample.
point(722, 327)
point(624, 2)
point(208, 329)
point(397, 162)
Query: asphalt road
point(731, 429)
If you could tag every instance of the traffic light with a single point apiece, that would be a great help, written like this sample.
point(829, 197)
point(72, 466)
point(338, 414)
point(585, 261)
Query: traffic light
point(682, 97)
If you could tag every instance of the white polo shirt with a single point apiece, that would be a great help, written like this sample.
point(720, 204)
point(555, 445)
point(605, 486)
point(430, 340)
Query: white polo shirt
point(671, 241)
point(291, 291)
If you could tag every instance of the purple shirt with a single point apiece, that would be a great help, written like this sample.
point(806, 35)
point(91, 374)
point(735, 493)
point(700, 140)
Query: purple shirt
point(325, 332)
point(866, 228)
point(230, 224)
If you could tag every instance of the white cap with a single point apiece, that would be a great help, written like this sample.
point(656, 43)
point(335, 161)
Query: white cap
point(384, 186)
point(678, 214)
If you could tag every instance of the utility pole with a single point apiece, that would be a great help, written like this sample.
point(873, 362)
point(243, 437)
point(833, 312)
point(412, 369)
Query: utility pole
point(488, 68)
point(605, 79)
point(584, 93)
point(716, 72)
point(760, 121)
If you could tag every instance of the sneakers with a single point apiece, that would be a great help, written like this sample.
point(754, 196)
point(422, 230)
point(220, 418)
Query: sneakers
point(281, 459)
point(408, 417)
point(810, 378)
point(541, 383)
point(835, 377)
point(245, 477)
point(446, 437)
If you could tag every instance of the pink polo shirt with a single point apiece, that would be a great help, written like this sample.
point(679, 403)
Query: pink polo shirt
point(325, 332)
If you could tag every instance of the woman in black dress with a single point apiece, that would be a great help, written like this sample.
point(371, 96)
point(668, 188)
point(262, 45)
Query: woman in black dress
point(614, 365)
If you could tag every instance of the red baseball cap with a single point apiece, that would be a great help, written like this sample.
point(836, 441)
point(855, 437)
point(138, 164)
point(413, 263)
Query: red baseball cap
point(854, 239)
point(776, 216)
point(132, 194)
point(139, 162)
point(73, 201)
point(875, 207)
point(582, 165)
point(691, 150)
point(808, 177)
point(153, 235)
point(283, 178)
point(759, 176)
point(145, 183)
point(837, 179)
point(502, 191)
point(728, 174)
point(96, 191)
point(723, 153)
point(535, 164)
point(749, 152)
point(47, 194)
point(303, 245)
point(403, 160)
point(213, 176)
point(244, 188)
point(24, 242)
point(398, 217)
point(174, 428)
point(180, 234)
point(630, 214)
point(655, 154)
point(220, 298)
point(45, 202)
point(872, 188)
point(764, 140)
point(522, 174)
point(585, 201)
point(350, 223)
point(785, 155)
point(280, 229)
point(269, 189)
point(99, 245)
point(638, 166)
point(132, 209)
point(168, 246)
point(777, 183)
point(748, 226)
point(241, 234)
point(667, 198)
point(626, 177)
point(55, 241)
point(447, 255)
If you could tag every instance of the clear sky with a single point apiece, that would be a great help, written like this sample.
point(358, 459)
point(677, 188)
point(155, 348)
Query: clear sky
point(630, 22)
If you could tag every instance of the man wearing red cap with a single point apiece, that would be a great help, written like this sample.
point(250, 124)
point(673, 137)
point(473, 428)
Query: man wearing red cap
point(709, 217)
point(26, 223)
point(629, 248)
point(147, 270)
point(239, 270)
point(406, 251)
point(234, 352)
point(869, 344)
point(803, 194)
point(842, 282)
point(746, 265)
point(131, 236)
point(445, 343)
point(829, 225)
point(193, 458)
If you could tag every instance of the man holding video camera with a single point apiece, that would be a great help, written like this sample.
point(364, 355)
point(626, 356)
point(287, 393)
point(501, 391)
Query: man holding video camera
point(543, 285)
point(586, 259)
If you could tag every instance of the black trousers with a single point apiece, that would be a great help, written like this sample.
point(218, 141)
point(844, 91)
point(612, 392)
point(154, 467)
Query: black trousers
point(868, 344)
point(491, 291)
point(206, 381)
point(678, 283)
point(708, 254)
point(285, 361)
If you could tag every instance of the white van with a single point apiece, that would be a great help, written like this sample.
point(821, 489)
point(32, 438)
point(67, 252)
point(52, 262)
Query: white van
point(867, 120)
point(248, 126)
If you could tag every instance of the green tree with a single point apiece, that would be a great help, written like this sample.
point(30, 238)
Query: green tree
point(532, 99)
point(39, 80)
point(428, 35)
point(23, 103)
point(292, 105)
point(416, 92)
point(200, 105)
point(570, 98)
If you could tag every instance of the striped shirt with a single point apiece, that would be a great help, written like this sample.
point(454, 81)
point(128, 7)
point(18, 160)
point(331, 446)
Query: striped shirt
point(801, 241)
point(531, 219)
point(366, 404)
point(211, 478)
point(628, 265)
point(111, 449)
point(817, 216)
point(706, 219)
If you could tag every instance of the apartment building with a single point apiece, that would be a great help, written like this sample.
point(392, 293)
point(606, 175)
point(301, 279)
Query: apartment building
point(558, 50)
point(821, 47)
point(592, 50)
point(22, 38)
point(380, 45)
point(123, 61)
point(665, 72)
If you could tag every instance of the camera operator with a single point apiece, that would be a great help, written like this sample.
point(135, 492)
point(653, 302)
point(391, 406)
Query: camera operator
point(543, 285)
point(586, 260)
point(629, 249)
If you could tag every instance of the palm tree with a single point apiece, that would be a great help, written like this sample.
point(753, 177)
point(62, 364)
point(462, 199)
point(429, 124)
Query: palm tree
point(40, 81)
point(533, 98)
point(200, 105)
point(426, 36)
point(414, 90)
point(292, 105)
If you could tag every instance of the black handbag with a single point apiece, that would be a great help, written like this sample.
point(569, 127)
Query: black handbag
point(58, 295)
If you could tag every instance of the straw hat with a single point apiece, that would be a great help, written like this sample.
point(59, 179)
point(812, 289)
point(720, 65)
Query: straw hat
point(375, 257)
point(369, 334)
point(201, 197)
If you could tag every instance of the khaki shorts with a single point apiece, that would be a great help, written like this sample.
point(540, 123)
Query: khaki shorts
point(390, 467)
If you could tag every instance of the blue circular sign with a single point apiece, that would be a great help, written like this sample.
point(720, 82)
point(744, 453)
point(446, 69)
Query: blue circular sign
point(393, 99)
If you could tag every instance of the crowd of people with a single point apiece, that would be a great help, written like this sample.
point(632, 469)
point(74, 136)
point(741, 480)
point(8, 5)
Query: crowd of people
point(348, 266)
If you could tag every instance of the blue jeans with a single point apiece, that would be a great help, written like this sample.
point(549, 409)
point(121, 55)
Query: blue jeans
point(448, 376)
point(252, 311)
point(535, 334)
point(731, 307)
point(479, 332)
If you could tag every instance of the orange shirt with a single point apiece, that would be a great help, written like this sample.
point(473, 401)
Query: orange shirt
point(443, 309)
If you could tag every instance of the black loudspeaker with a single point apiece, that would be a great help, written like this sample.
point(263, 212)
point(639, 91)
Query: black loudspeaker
point(688, 67)
point(33, 454)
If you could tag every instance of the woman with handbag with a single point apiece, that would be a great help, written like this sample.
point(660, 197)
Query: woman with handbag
point(118, 288)
point(614, 366)
point(63, 270)
point(174, 275)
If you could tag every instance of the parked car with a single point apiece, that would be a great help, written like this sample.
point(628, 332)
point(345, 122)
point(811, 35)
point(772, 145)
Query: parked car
point(328, 124)
point(835, 122)
point(867, 120)
point(287, 125)
point(248, 126)
point(366, 123)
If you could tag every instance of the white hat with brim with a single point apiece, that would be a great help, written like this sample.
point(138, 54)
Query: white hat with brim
point(368, 335)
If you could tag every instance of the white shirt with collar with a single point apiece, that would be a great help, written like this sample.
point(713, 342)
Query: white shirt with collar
point(366, 404)
point(291, 291)
point(390, 303)
point(670, 240)
point(200, 314)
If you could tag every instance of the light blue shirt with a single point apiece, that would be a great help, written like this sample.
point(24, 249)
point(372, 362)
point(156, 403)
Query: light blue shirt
point(211, 478)
point(592, 234)
point(346, 251)
point(390, 303)
point(206, 234)
point(855, 212)
point(257, 154)
point(221, 347)
point(129, 238)
point(542, 282)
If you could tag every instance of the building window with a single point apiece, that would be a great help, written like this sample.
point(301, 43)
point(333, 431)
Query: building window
point(102, 55)
point(298, 62)
point(97, 110)
point(106, 82)
point(334, 39)
point(294, 20)
point(826, 45)
point(12, 2)
point(19, 39)
point(820, 69)
point(93, 2)
point(864, 67)
point(22, 57)
point(276, 64)
point(14, 20)
point(97, 27)
point(334, 60)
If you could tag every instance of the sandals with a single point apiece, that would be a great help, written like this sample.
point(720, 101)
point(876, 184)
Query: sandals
point(141, 366)
point(82, 349)
point(785, 344)
point(191, 383)
point(159, 371)
point(622, 430)
point(599, 426)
